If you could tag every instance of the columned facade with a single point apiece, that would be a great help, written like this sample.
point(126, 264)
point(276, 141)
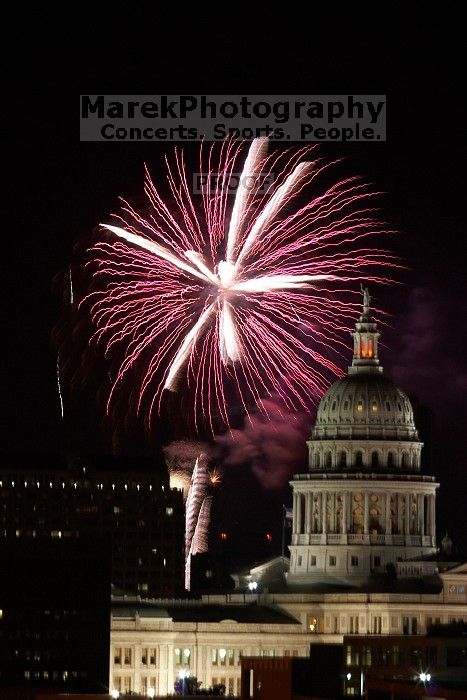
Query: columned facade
point(363, 504)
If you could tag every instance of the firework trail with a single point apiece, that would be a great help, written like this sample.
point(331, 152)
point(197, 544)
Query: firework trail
point(197, 514)
point(60, 396)
point(249, 304)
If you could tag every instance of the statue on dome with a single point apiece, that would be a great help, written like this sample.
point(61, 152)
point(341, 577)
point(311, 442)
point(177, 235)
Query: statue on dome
point(366, 299)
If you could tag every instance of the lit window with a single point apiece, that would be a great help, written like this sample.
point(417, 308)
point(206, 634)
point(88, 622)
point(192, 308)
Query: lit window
point(374, 407)
point(208, 574)
point(177, 656)
point(360, 406)
point(312, 624)
point(222, 655)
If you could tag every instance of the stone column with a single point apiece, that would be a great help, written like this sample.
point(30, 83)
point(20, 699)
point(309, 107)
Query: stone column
point(421, 515)
point(137, 661)
point(366, 513)
point(407, 514)
point(387, 526)
point(332, 524)
point(432, 516)
point(294, 513)
point(399, 498)
point(345, 512)
point(308, 502)
point(299, 513)
point(428, 515)
point(324, 524)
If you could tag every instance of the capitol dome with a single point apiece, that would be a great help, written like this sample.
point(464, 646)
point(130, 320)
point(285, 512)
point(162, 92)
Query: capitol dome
point(364, 420)
point(365, 405)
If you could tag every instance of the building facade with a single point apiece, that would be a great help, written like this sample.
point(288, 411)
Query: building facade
point(54, 615)
point(134, 511)
point(152, 642)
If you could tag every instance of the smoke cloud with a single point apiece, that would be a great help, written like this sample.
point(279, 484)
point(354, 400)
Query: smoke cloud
point(273, 445)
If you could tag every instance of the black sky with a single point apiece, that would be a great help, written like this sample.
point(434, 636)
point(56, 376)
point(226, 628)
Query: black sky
point(61, 188)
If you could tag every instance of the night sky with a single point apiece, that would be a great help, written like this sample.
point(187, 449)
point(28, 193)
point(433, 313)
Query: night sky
point(62, 188)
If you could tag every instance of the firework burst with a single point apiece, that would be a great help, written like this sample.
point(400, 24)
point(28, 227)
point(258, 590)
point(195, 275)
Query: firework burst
point(242, 293)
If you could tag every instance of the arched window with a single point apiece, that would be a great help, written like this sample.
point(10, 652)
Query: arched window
point(333, 408)
point(360, 406)
point(328, 460)
point(359, 459)
point(374, 460)
point(405, 460)
point(317, 460)
point(388, 406)
point(390, 460)
point(346, 405)
point(343, 460)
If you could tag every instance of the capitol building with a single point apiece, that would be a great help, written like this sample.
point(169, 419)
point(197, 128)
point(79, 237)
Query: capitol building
point(363, 504)
point(364, 557)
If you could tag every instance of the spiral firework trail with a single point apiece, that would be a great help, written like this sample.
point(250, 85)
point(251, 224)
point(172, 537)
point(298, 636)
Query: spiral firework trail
point(243, 291)
point(197, 515)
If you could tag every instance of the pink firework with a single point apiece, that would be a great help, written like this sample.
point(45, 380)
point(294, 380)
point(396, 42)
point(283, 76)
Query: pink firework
point(236, 291)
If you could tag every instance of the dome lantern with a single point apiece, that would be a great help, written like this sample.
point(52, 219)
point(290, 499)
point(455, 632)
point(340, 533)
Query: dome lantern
point(365, 337)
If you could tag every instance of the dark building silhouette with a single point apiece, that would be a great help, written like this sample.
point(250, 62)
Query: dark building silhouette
point(125, 502)
point(55, 615)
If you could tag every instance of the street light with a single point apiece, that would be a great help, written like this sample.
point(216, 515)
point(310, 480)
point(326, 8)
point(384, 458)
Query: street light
point(252, 586)
point(151, 692)
point(424, 677)
point(115, 693)
point(349, 676)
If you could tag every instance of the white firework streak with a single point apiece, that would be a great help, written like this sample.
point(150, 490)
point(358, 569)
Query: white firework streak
point(228, 279)
point(193, 506)
point(59, 387)
point(255, 157)
point(199, 542)
point(71, 287)
point(282, 195)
